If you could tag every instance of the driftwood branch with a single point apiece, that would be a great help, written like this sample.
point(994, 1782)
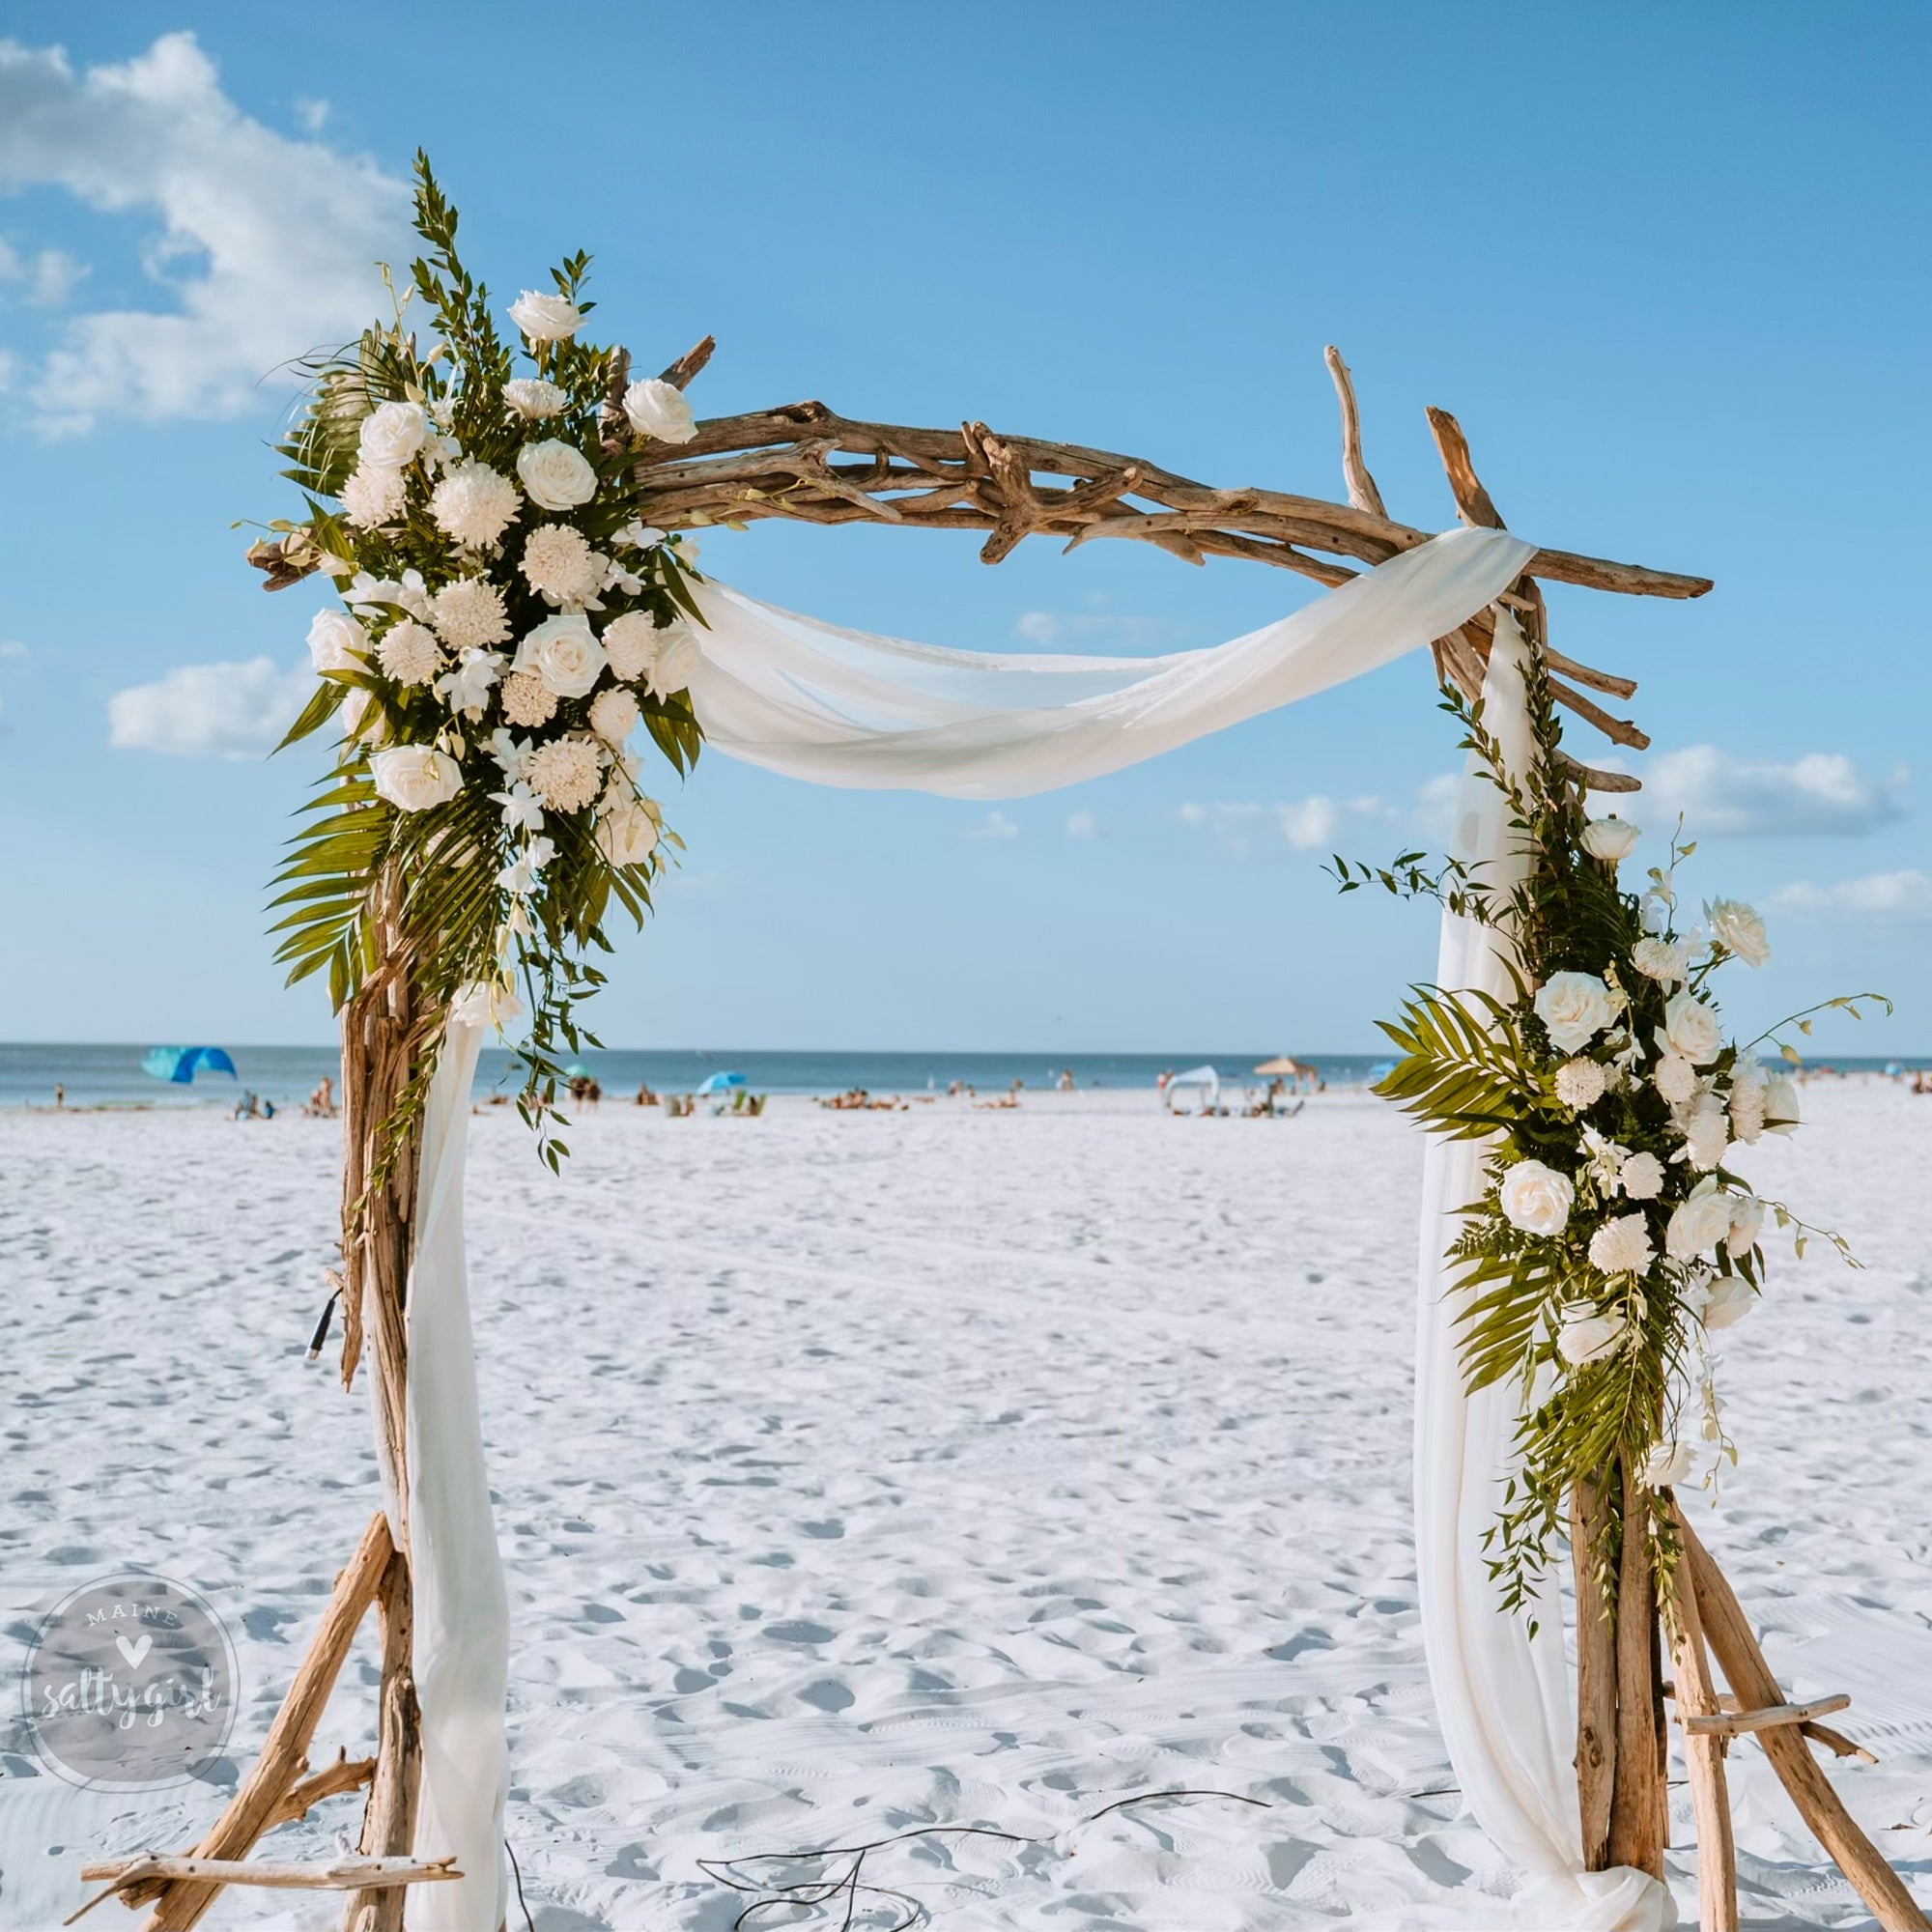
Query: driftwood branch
point(268, 1786)
point(1721, 1723)
point(1362, 491)
point(346, 1773)
point(127, 1875)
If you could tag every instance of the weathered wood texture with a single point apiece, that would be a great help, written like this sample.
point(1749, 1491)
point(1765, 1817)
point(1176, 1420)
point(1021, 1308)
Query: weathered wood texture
point(1639, 1810)
point(1596, 1675)
point(1736, 1649)
point(1703, 1756)
point(127, 1876)
point(265, 1791)
point(390, 1819)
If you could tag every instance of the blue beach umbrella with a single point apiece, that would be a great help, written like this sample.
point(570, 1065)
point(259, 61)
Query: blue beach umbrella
point(179, 1065)
point(719, 1082)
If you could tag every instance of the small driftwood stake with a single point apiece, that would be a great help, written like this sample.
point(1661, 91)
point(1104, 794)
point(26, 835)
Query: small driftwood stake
point(1639, 1808)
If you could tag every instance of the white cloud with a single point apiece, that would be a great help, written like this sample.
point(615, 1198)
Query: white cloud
point(210, 711)
point(1721, 794)
point(995, 825)
point(1887, 896)
point(13, 647)
point(1083, 825)
point(45, 279)
point(1075, 629)
point(266, 249)
point(1302, 825)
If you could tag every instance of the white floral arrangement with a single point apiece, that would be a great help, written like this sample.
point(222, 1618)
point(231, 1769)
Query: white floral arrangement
point(1614, 1236)
point(506, 627)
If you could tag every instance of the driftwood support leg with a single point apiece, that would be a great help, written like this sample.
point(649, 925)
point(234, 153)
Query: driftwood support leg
point(1639, 1810)
point(1749, 1677)
point(1704, 1757)
point(1596, 1676)
point(266, 1790)
point(390, 1823)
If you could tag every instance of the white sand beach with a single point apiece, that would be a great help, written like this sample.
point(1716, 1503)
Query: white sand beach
point(861, 1472)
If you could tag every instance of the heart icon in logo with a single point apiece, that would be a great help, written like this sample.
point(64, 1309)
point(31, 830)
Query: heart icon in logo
point(134, 1652)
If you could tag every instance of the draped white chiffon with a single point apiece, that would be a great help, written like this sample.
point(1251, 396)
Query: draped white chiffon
point(1504, 1699)
point(841, 707)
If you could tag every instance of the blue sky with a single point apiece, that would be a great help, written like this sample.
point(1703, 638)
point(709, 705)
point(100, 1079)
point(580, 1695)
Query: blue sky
point(1667, 265)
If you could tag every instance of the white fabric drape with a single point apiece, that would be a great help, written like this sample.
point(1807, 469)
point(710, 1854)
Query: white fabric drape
point(841, 707)
point(1505, 1701)
point(462, 1650)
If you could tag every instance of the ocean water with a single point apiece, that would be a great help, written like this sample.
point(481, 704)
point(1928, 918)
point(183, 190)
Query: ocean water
point(111, 1076)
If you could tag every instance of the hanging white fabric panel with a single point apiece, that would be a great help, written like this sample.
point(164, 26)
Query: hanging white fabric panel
point(462, 1647)
point(841, 707)
point(1505, 1701)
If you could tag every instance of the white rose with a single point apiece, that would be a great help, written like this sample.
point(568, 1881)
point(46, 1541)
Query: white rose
point(1691, 1028)
point(1622, 1246)
point(556, 475)
point(678, 660)
point(1780, 1103)
point(1575, 1007)
point(545, 318)
point(413, 777)
point(657, 407)
point(1747, 1224)
point(1675, 1078)
point(1536, 1198)
point(392, 434)
point(627, 835)
point(533, 399)
point(336, 641)
point(1642, 1177)
point(1663, 960)
point(1580, 1083)
point(1738, 929)
point(1586, 1336)
point(1697, 1225)
point(613, 714)
point(1732, 1297)
point(1669, 1463)
point(1610, 839)
point(563, 652)
point(631, 644)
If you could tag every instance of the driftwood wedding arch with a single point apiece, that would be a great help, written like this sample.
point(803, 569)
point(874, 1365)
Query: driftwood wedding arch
point(806, 463)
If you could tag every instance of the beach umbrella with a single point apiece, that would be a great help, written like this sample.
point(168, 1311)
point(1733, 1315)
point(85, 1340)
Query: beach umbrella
point(720, 1082)
point(179, 1065)
point(1282, 1066)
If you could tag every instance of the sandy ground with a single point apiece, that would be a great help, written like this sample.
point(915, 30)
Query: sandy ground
point(855, 1473)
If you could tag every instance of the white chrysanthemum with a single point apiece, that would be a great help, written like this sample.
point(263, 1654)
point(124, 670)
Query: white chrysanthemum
point(1747, 1087)
point(1622, 1246)
point(468, 614)
point(560, 565)
point(533, 399)
point(631, 644)
point(409, 653)
point(1707, 1133)
point(614, 715)
point(474, 504)
point(1675, 1078)
point(1663, 960)
point(566, 774)
point(373, 496)
point(527, 699)
point(1580, 1083)
point(1642, 1177)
